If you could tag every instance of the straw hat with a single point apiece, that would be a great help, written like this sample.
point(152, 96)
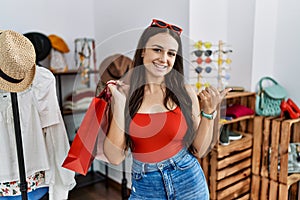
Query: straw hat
point(17, 61)
point(114, 67)
point(58, 43)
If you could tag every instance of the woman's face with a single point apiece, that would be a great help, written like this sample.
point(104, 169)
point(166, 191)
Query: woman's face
point(159, 55)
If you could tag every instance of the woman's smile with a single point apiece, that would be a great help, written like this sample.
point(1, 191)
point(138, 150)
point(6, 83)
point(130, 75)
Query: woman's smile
point(160, 67)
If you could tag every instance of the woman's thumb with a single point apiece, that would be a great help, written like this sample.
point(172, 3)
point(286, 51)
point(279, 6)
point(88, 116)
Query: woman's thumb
point(224, 92)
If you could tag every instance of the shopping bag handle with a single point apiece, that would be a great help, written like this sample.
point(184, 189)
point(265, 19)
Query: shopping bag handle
point(105, 93)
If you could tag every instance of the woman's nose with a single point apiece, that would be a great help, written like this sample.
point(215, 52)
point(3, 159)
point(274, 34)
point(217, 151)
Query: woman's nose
point(163, 57)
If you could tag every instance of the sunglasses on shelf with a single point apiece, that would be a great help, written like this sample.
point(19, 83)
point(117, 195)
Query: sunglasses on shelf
point(227, 61)
point(207, 45)
point(226, 76)
point(223, 51)
point(199, 69)
point(199, 60)
point(162, 24)
point(199, 44)
point(200, 85)
point(199, 53)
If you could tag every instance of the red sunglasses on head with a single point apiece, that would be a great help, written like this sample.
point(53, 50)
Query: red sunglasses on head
point(162, 24)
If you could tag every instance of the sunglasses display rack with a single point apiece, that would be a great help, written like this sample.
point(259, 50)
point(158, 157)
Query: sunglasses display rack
point(210, 65)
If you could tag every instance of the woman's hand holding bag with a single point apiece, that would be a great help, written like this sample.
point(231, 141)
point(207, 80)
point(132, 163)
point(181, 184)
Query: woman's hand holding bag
point(118, 91)
point(88, 142)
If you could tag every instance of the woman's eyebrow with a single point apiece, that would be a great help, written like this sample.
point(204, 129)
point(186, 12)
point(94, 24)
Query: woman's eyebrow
point(156, 45)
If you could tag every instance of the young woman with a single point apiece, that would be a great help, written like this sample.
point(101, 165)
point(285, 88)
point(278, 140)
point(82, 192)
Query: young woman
point(158, 118)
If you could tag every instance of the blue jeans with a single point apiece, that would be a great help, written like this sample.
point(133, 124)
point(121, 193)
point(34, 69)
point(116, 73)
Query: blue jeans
point(179, 177)
point(33, 195)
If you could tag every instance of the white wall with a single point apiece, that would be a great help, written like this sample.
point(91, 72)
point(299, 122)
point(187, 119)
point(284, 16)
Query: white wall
point(277, 44)
point(240, 35)
point(208, 20)
point(68, 19)
point(119, 24)
point(264, 41)
point(287, 48)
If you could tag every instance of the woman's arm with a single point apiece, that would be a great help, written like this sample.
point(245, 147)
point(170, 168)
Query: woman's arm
point(114, 143)
point(210, 98)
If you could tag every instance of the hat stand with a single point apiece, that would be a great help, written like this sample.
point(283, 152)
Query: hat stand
point(15, 109)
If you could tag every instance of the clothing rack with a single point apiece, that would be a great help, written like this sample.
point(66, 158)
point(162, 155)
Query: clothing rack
point(22, 173)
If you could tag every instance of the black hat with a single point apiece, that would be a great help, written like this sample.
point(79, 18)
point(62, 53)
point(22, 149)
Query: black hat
point(41, 43)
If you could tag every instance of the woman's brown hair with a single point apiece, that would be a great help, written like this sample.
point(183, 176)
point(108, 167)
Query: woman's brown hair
point(174, 83)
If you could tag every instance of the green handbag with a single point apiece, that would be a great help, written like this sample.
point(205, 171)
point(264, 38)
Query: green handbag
point(268, 98)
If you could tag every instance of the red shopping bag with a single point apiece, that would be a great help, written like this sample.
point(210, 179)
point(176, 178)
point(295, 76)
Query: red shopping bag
point(94, 126)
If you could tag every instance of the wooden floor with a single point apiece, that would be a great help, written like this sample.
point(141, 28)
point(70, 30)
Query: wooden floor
point(100, 189)
point(96, 191)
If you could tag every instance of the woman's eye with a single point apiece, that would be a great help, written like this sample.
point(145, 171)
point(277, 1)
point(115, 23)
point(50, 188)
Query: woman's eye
point(172, 54)
point(156, 49)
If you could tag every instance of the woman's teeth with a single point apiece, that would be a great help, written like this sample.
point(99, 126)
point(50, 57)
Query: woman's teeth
point(160, 66)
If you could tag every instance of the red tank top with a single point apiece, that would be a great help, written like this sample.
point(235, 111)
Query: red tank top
point(157, 136)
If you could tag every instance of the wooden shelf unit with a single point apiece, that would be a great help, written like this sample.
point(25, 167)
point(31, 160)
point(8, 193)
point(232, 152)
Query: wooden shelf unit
point(228, 168)
point(271, 180)
point(59, 76)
